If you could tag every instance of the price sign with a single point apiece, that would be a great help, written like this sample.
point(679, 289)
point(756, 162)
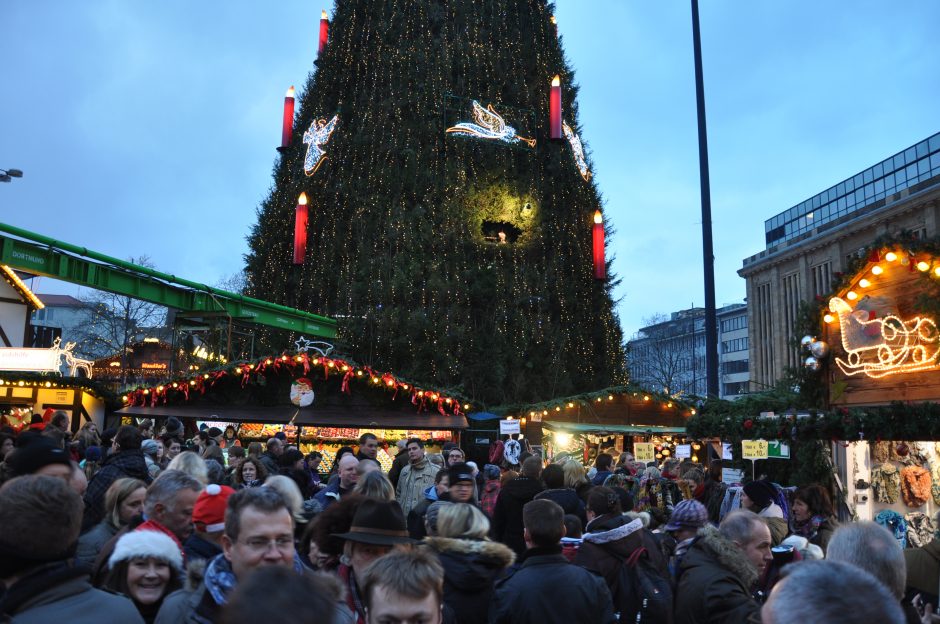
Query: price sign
point(644, 452)
point(508, 427)
point(754, 449)
point(683, 451)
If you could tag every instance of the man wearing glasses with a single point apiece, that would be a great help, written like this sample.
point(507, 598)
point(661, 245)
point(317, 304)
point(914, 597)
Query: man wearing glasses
point(259, 532)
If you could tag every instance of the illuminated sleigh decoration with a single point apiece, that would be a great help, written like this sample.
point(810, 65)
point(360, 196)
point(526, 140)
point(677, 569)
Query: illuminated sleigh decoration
point(885, 346)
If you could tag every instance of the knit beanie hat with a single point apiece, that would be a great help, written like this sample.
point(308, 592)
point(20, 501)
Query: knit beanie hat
point(36, 454)
point(761, 492)
point(139, 544)
point(491, 472)
point(149, 447)
point(93, 453)
point(174, 427)
point(209, 511)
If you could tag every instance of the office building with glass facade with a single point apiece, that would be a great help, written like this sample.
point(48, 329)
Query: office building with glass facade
point(807, 244)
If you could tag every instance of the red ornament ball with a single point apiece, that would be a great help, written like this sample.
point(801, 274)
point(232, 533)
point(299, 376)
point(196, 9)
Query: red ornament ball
point(748, 423)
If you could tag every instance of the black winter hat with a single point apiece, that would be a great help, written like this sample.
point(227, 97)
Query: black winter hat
point(37, 453)
point(761, 492)
point(460, 472)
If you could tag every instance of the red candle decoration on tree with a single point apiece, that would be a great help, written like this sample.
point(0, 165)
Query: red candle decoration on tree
point(600, 263)
point(554, 109)
point(288, 124)
point(300, 229)
point(324, 32)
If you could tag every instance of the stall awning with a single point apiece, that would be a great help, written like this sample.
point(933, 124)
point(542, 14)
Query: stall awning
point(359, 418)
point(603, 428)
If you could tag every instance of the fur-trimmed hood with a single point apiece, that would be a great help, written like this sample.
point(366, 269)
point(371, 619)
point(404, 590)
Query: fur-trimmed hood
point(470, 566)
point(614, 534)
point(713, 548)
point(498, 553)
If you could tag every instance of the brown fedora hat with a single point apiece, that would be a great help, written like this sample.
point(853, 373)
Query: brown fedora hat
point(378, 522)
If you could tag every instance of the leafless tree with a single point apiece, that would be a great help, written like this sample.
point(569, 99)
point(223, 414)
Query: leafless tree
point(114, 322)
point(662, 356)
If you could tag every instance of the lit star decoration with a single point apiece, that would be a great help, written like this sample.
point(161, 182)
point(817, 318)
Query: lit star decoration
point(316, 136)
point(578, 150)
point(489, 126)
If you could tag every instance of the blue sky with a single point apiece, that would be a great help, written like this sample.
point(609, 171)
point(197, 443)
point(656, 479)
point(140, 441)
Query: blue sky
point(149, 128)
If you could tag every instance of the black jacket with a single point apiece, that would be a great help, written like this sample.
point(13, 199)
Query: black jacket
point(118, 466)
point(608, 541)
point(568, 499)
point(547, 589)
point(471, 568)
point(507, 516)
point(714, 581)
point(196, 547)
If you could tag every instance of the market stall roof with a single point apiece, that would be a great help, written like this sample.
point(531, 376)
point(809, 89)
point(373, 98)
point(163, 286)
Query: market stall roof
point(570, 427)
point(284, 414)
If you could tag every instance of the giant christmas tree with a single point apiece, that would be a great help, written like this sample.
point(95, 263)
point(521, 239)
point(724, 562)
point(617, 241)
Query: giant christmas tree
point(449, 236)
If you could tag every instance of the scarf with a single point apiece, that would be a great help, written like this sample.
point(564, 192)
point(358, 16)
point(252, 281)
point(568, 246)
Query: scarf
point(808, 528)
point(220, 579)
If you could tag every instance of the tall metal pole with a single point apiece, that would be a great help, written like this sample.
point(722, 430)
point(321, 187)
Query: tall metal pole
point(708, 256)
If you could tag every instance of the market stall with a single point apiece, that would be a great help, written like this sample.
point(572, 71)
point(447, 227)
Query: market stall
point(611, 419)
point(320, 403)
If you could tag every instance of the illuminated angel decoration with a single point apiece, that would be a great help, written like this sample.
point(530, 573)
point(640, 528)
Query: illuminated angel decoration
point(316, 137)
point(578, 150)
point(490, 126)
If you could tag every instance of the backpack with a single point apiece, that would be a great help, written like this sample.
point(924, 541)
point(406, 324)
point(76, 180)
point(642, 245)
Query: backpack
point(645, 595)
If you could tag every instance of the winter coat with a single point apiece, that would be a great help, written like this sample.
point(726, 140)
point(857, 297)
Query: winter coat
point(489, 496)
point(923, 571)
point(568, 500)
point(414, 480)
point(197, 548)
point(398, 464)
point(269, 461)
point(195, 605)
point(545, 588)
point(610, 540)
point(471, 568)
point(329, 495)
point(824, 533)
point(507, 516)
point(117, 466)
point(714, 581)
point(62, 593)
point(91, 543)
point(600, 477)
point(779, 527)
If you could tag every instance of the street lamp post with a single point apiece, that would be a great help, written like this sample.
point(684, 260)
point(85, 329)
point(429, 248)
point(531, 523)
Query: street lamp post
point(708, 254)
point(6, 175)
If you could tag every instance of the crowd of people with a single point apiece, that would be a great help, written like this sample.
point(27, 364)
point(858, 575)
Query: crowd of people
point(137, 525)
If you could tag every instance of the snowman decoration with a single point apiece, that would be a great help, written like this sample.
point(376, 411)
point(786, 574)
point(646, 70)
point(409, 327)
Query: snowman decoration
point(301, 392)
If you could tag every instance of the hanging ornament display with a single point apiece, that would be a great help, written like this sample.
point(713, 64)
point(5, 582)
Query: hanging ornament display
point(600, 262)
point(316, 136)
point(811, 364)
point(287, 124)
point(324, 32)
point(488, 125)
point(819, 349)
point(575, 141)
point(301, 392)
point(806, 341)
point(554, 108)
point(300, 229)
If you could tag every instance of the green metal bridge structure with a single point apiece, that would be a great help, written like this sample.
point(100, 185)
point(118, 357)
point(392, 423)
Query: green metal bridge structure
point(194, 303)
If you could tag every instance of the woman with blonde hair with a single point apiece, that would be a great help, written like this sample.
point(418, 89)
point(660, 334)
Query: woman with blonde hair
point(87, 437)
point(375, 485)
point(193, 465)
point(576, 479)
point(471, 562)
point(289, 490)
point(123, 504)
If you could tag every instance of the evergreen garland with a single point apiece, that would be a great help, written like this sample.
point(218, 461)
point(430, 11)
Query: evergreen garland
point(395, 248)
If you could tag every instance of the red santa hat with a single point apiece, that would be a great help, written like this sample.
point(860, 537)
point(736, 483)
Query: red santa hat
point(209, 511)
point(141, 544)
